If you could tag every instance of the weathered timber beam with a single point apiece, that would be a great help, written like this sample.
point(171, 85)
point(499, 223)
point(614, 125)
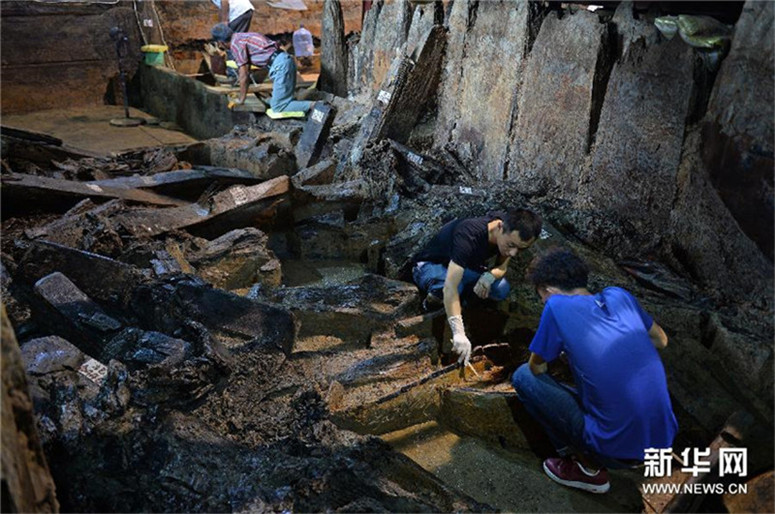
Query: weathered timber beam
point(180, 182)
point(22, 192)
point(225, 206)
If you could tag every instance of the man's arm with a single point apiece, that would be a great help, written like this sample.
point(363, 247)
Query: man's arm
point(501, 267)
point(537, 364)
point(460, 343)
point(224, 11)
point(483, 285)
point(657, 336)
point(243, 83)
point(451, 284)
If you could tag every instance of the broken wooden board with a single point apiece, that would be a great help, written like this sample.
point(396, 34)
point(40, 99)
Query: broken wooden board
point(181, 183)
point(263, 87)
point(238, 203)
point(22, 192)
point(166, 304)
point(251, 104)
point(315, 135)
point(407, 87)
point(351, 312)
point(320, 174)
point(74, 315)
point(103, 279)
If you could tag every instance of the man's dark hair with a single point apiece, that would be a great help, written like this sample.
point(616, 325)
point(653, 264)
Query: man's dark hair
point(558, 267)
point(526, 222)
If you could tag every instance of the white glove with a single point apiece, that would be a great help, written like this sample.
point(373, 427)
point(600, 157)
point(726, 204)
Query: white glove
point(460, 343)
point(482, 287)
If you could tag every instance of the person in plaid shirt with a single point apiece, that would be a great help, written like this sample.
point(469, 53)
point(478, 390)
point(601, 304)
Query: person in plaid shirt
point(256, 49)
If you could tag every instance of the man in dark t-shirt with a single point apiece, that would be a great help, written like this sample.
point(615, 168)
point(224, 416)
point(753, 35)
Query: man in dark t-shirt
point(456, 263)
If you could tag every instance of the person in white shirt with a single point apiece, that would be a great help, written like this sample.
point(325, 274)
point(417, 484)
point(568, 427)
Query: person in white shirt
point(236, 13)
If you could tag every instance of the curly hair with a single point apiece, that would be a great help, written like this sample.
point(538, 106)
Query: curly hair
point(558, 267)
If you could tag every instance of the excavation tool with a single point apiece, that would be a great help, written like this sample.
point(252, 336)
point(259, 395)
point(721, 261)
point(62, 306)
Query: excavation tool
point(426, 378)
point(122, 47)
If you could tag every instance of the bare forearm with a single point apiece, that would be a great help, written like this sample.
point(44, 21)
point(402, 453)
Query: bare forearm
point(537, 364)
point(243, 82)
point(452, 301)
point(657, 336)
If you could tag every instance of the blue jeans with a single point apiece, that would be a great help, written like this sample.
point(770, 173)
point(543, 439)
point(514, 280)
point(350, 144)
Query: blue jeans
point(558, 409)
point(430, 278)
point(283, 75)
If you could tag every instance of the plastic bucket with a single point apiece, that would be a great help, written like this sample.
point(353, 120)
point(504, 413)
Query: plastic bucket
point(154, 54)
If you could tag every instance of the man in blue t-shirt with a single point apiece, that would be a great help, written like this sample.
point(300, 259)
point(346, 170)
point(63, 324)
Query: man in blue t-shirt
point(620, 406)
point(456, 262)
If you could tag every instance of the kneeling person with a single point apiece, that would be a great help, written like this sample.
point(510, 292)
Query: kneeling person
point(454, 264)
point(621, 406)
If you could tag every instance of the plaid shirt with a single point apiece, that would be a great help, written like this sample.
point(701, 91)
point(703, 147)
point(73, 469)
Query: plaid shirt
point(253, 48)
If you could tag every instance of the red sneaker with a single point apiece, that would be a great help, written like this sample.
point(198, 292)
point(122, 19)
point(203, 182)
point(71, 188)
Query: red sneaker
point(567, 471)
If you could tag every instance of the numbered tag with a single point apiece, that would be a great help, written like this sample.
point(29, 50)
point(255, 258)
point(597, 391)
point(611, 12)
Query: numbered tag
point(317, 116)
point(239, 196)
point(413, 157)
point(94, 370)
point(464, 190)
point(384, 96)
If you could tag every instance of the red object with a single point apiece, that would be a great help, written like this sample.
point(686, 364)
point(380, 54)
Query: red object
point(366, 6)
point(567, 471)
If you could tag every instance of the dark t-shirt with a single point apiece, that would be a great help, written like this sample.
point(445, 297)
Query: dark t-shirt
point(463, 241)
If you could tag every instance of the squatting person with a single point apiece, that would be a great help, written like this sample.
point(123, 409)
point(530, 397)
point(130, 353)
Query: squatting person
point(454, 264)
point(620, 406)
point(253, 48)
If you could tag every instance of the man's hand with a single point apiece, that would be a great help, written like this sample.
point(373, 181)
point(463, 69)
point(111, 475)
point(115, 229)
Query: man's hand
point(460, 343)
point(234, 101)
point(483, 285)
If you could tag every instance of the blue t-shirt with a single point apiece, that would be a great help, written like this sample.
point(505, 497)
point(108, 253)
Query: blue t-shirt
point(618, 373)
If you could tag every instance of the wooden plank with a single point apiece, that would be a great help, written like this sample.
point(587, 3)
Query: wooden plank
point(152, 222)
point(315, 135)
point(263, 87)
point(333, 62)
point(25, 192)
point(170, 182)
point(252, 104)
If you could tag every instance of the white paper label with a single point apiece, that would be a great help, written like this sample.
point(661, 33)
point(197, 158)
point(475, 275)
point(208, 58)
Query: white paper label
point(464, 190)
point(147, 23)
point(239, 196)
point(317, 116)
point(93, 370)
point(384, 96)
point(413, 157)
